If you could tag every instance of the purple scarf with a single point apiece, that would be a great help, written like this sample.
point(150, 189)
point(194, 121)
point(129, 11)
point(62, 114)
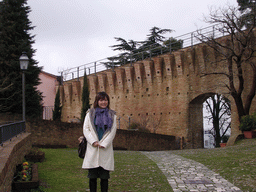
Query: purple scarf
point(103, 119)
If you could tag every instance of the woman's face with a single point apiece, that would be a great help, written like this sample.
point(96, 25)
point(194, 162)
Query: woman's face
point(103, 103)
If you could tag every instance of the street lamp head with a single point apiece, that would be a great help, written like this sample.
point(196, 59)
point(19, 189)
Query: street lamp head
point(24, 60)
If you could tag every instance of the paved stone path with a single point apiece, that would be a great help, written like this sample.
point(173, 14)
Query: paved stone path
point(188, 175)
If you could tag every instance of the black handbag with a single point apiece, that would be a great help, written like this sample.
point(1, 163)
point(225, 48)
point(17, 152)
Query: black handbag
point(82, 148)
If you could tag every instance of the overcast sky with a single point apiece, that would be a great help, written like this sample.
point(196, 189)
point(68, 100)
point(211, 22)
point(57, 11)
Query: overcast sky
point(71, 33)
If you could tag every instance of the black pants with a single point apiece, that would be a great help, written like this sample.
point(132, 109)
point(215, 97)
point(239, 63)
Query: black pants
point(103, 185)
point(98, 172)
point(101, 173)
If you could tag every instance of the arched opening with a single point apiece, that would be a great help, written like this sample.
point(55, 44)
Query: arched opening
point(197, 124)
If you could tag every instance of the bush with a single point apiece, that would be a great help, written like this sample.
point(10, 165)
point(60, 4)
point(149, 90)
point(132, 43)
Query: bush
point(248, 122)
point(134, 126)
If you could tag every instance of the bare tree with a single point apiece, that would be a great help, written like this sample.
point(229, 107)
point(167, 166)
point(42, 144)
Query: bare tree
point(238, 50)
point(150, 122)
point(219, 110)
point(146, 123)
point(155, 122)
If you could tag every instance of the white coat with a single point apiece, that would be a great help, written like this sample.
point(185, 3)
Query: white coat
point(95, 156)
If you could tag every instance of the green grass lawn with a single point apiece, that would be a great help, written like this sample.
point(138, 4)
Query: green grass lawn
point(61, 171)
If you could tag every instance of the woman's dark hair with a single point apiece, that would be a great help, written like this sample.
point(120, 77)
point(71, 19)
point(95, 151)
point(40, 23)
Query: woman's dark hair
point(99, 96)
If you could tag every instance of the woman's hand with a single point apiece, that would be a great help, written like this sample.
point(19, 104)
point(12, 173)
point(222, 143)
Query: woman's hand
point(80, 139)
point(96, 144)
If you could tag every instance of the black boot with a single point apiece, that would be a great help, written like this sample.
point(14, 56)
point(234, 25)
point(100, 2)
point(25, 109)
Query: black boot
point(93, 185)
point(104, 185)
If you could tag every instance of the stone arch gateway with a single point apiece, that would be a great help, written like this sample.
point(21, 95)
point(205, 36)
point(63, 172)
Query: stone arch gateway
point(169, 87)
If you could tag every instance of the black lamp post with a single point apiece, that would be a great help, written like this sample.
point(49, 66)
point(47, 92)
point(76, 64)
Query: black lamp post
point(24, 60)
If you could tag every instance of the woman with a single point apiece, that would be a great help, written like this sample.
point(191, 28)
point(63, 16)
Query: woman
point(99, 129)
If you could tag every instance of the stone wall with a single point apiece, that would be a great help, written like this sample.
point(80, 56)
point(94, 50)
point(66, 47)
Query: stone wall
point(54, 133)
point(141, 141)
point(50, 133)
point(11, 154)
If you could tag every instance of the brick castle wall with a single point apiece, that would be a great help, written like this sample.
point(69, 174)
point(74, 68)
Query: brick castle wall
point(169, 89)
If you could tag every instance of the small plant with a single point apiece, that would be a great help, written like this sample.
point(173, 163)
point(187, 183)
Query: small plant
point(24, 172)
point(134, 126)
point(248, 122)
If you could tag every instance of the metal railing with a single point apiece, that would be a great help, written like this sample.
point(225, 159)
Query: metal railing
point(188, 40)
point(10, 130)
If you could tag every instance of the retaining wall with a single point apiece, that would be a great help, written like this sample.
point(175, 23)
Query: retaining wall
point(52, 133)
point(12, 154)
